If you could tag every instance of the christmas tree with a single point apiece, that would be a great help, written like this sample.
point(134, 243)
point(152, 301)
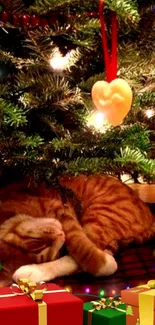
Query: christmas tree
point(50, 57)
point(129, 311)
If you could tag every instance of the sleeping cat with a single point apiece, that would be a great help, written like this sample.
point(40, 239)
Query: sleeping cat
point(36, 224)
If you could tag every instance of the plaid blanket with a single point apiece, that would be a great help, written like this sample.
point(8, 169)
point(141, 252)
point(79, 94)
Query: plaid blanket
point(136, 265)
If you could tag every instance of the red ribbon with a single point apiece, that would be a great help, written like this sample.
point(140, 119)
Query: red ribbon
point(109, 58)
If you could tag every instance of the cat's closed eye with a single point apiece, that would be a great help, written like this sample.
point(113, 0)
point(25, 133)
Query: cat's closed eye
point(28, 240)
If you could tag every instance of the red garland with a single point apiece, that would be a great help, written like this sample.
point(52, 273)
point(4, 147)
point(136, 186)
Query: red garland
point(28, 21)
point(19, 20)
point(109, 58)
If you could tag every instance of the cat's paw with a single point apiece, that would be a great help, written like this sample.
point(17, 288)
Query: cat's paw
point(109, 267)
point(33, 272)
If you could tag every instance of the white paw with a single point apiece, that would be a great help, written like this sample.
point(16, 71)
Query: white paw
point(34, 272)
point(109, 267)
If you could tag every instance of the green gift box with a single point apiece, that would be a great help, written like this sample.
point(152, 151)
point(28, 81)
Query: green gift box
point(106, 316)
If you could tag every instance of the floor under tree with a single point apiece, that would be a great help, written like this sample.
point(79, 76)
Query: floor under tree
point(136, 266)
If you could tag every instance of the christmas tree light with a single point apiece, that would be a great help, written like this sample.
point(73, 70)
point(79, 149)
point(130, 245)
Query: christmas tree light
point(149, 113)
point(102, 293)
point(97, 120)
point(68, 288)
point(59, 62)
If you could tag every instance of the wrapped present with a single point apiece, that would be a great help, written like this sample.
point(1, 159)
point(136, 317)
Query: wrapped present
point(140, 302)
point(43, 304)
point(105, 311)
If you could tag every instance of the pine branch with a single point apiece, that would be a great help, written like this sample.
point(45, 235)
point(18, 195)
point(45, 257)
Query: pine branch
point(89, 26)
point(88, 84)
point(19, 148)
point(44, 6)
point(24, 81)
point(137, 55)
point(88, 166)
point(12, 115)
point(135, 136)
point(55, 90)
point(85, 31)
point(31, 142)
point(63, 144)
point(138, 160)
point(13, 6)
point(132, 155)
point(4, 89)
point(19, 139)
point(126, 9)
point(142, 66)
point(143, 102)
point(145, 99)
point(7, 57)
point(56, 128)
point(43, 49)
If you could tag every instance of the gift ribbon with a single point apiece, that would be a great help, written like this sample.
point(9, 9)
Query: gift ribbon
point(150, 285)
point(109, 58)
point(102, 304)
point(146, 303)
point(34, 291)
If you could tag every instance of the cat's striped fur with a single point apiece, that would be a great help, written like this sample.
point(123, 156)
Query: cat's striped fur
point(111, 216)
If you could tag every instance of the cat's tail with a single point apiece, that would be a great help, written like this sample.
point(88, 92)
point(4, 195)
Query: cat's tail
point(89, 258)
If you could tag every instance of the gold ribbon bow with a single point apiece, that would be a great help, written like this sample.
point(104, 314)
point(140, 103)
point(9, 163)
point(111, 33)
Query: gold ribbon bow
point(102, 304)
point(107, 303)
point(36, 292)
point(150, 285)
point(31, 288)
point(98, 305)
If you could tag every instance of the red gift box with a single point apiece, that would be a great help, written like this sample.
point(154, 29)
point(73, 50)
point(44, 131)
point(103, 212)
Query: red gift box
point(62, 308)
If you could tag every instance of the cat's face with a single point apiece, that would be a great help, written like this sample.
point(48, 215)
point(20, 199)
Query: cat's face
point(26, 240)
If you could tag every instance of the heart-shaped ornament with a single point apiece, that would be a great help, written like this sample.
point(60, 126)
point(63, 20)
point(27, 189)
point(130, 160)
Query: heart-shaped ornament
point(114, 99)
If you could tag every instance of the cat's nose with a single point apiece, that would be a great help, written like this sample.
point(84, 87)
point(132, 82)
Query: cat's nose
point(62, 236)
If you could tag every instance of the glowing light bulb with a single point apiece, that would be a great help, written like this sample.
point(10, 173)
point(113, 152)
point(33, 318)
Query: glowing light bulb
point(58, 62)
point(102, 293)
point(128, 287)
point(87, 290)
point(97, 120)
point(149, 113)
point(69, 289)
point(113, 292)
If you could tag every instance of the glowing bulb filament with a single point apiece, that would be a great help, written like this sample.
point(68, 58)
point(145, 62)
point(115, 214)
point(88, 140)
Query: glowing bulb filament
point(149, 113)
point(96, 120)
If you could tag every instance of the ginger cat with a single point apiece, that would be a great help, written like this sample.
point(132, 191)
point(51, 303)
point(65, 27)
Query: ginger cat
point(35, 225)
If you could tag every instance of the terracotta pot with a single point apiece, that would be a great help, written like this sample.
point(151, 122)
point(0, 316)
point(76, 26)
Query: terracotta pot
point(146, 192)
